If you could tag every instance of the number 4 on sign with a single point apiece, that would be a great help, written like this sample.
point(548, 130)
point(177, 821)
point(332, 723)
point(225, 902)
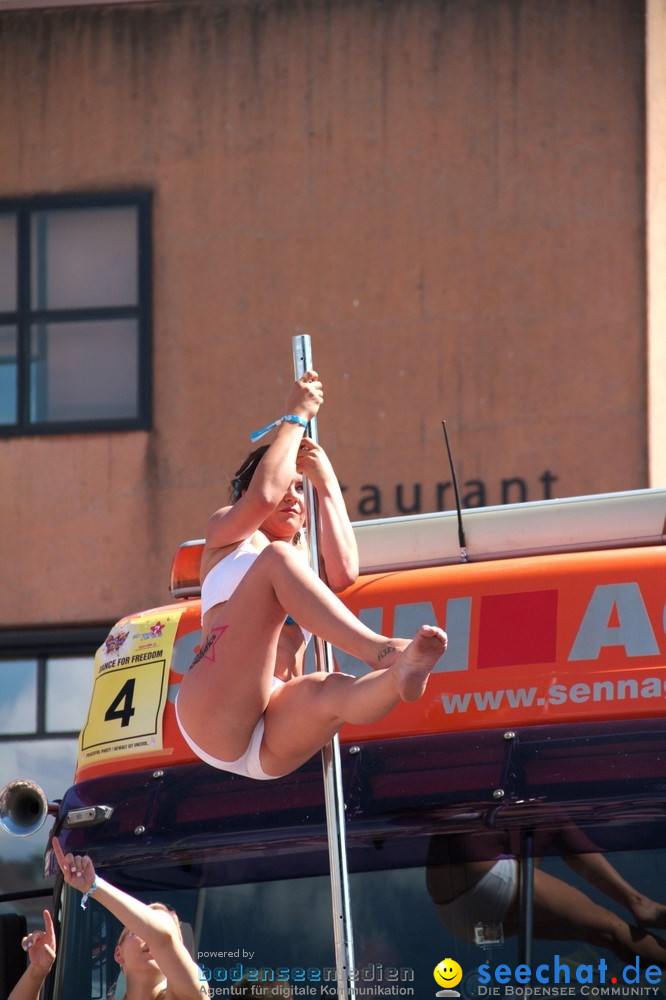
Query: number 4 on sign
point(130, 693)
point(121, 707)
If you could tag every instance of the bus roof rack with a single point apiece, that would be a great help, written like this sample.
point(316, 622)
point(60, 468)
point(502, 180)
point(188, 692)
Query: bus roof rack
point(587, 523)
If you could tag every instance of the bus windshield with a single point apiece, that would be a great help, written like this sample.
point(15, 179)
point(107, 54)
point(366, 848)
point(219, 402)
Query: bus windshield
point(461, 900)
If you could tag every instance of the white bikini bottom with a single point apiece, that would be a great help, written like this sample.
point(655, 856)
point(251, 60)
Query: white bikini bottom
point(249, 763)
point(486, 902)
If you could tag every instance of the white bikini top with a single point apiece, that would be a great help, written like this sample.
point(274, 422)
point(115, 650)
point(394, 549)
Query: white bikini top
point(221, 581)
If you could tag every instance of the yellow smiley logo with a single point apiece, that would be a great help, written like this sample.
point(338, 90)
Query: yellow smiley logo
point(448, 973)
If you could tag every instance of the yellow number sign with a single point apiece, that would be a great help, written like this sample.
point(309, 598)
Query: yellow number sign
point(130, 688)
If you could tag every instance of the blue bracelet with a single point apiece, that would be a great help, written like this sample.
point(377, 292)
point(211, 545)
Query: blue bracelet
point(89, 891)
point(289, 418)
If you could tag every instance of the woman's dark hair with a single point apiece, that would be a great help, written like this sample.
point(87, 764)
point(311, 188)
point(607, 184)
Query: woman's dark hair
point(243, 477)
point(247, 469)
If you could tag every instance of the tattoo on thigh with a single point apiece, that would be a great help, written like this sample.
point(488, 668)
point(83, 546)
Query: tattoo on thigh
point(209, 646)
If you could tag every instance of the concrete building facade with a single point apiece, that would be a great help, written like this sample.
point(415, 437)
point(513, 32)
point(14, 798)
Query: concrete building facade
point(462, 201)
point(450, 197)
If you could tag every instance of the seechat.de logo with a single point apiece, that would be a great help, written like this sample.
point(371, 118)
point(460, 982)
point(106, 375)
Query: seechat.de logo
point(448, 974)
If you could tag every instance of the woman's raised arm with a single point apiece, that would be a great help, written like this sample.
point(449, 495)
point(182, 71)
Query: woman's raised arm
point(154, 926)
point(40, 946)
point(273, 474)
point(337, 543)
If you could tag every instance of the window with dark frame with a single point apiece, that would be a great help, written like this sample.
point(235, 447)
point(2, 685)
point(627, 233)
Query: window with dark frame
point(44, 697)
point(75, 314)
point(46, 677)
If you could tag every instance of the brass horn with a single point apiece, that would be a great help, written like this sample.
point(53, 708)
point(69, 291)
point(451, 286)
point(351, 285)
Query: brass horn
point(23, 808)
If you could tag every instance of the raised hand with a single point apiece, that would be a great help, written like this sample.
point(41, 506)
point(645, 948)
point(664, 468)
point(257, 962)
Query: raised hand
point(77, 871)
point(40, 945)
point(313, 462)
point(306, 396)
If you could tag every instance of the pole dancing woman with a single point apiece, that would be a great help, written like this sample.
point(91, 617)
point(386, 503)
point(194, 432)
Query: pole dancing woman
point(245, 705)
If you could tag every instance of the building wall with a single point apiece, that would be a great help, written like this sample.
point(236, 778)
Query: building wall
point(448, 196)
point(656, 235)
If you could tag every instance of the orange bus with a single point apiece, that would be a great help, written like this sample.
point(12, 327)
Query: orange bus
point(535, 763)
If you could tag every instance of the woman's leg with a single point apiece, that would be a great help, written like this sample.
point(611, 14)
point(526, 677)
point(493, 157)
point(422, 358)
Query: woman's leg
point(304, 714)
point(281, 576)
point(224, 695)
point(561, 911)
point(599, 872)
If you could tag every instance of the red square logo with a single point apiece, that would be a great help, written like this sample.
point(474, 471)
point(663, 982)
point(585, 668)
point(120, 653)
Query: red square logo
point(517, 629)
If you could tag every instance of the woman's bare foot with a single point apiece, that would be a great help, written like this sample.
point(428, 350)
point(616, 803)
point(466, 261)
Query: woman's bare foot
point(414, 663)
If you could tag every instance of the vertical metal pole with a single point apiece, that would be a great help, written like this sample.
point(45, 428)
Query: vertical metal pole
point(335, 806)
point(526, 928)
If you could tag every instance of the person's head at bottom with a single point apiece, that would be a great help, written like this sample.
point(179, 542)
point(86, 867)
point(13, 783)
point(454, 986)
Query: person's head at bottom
point(136, 960)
